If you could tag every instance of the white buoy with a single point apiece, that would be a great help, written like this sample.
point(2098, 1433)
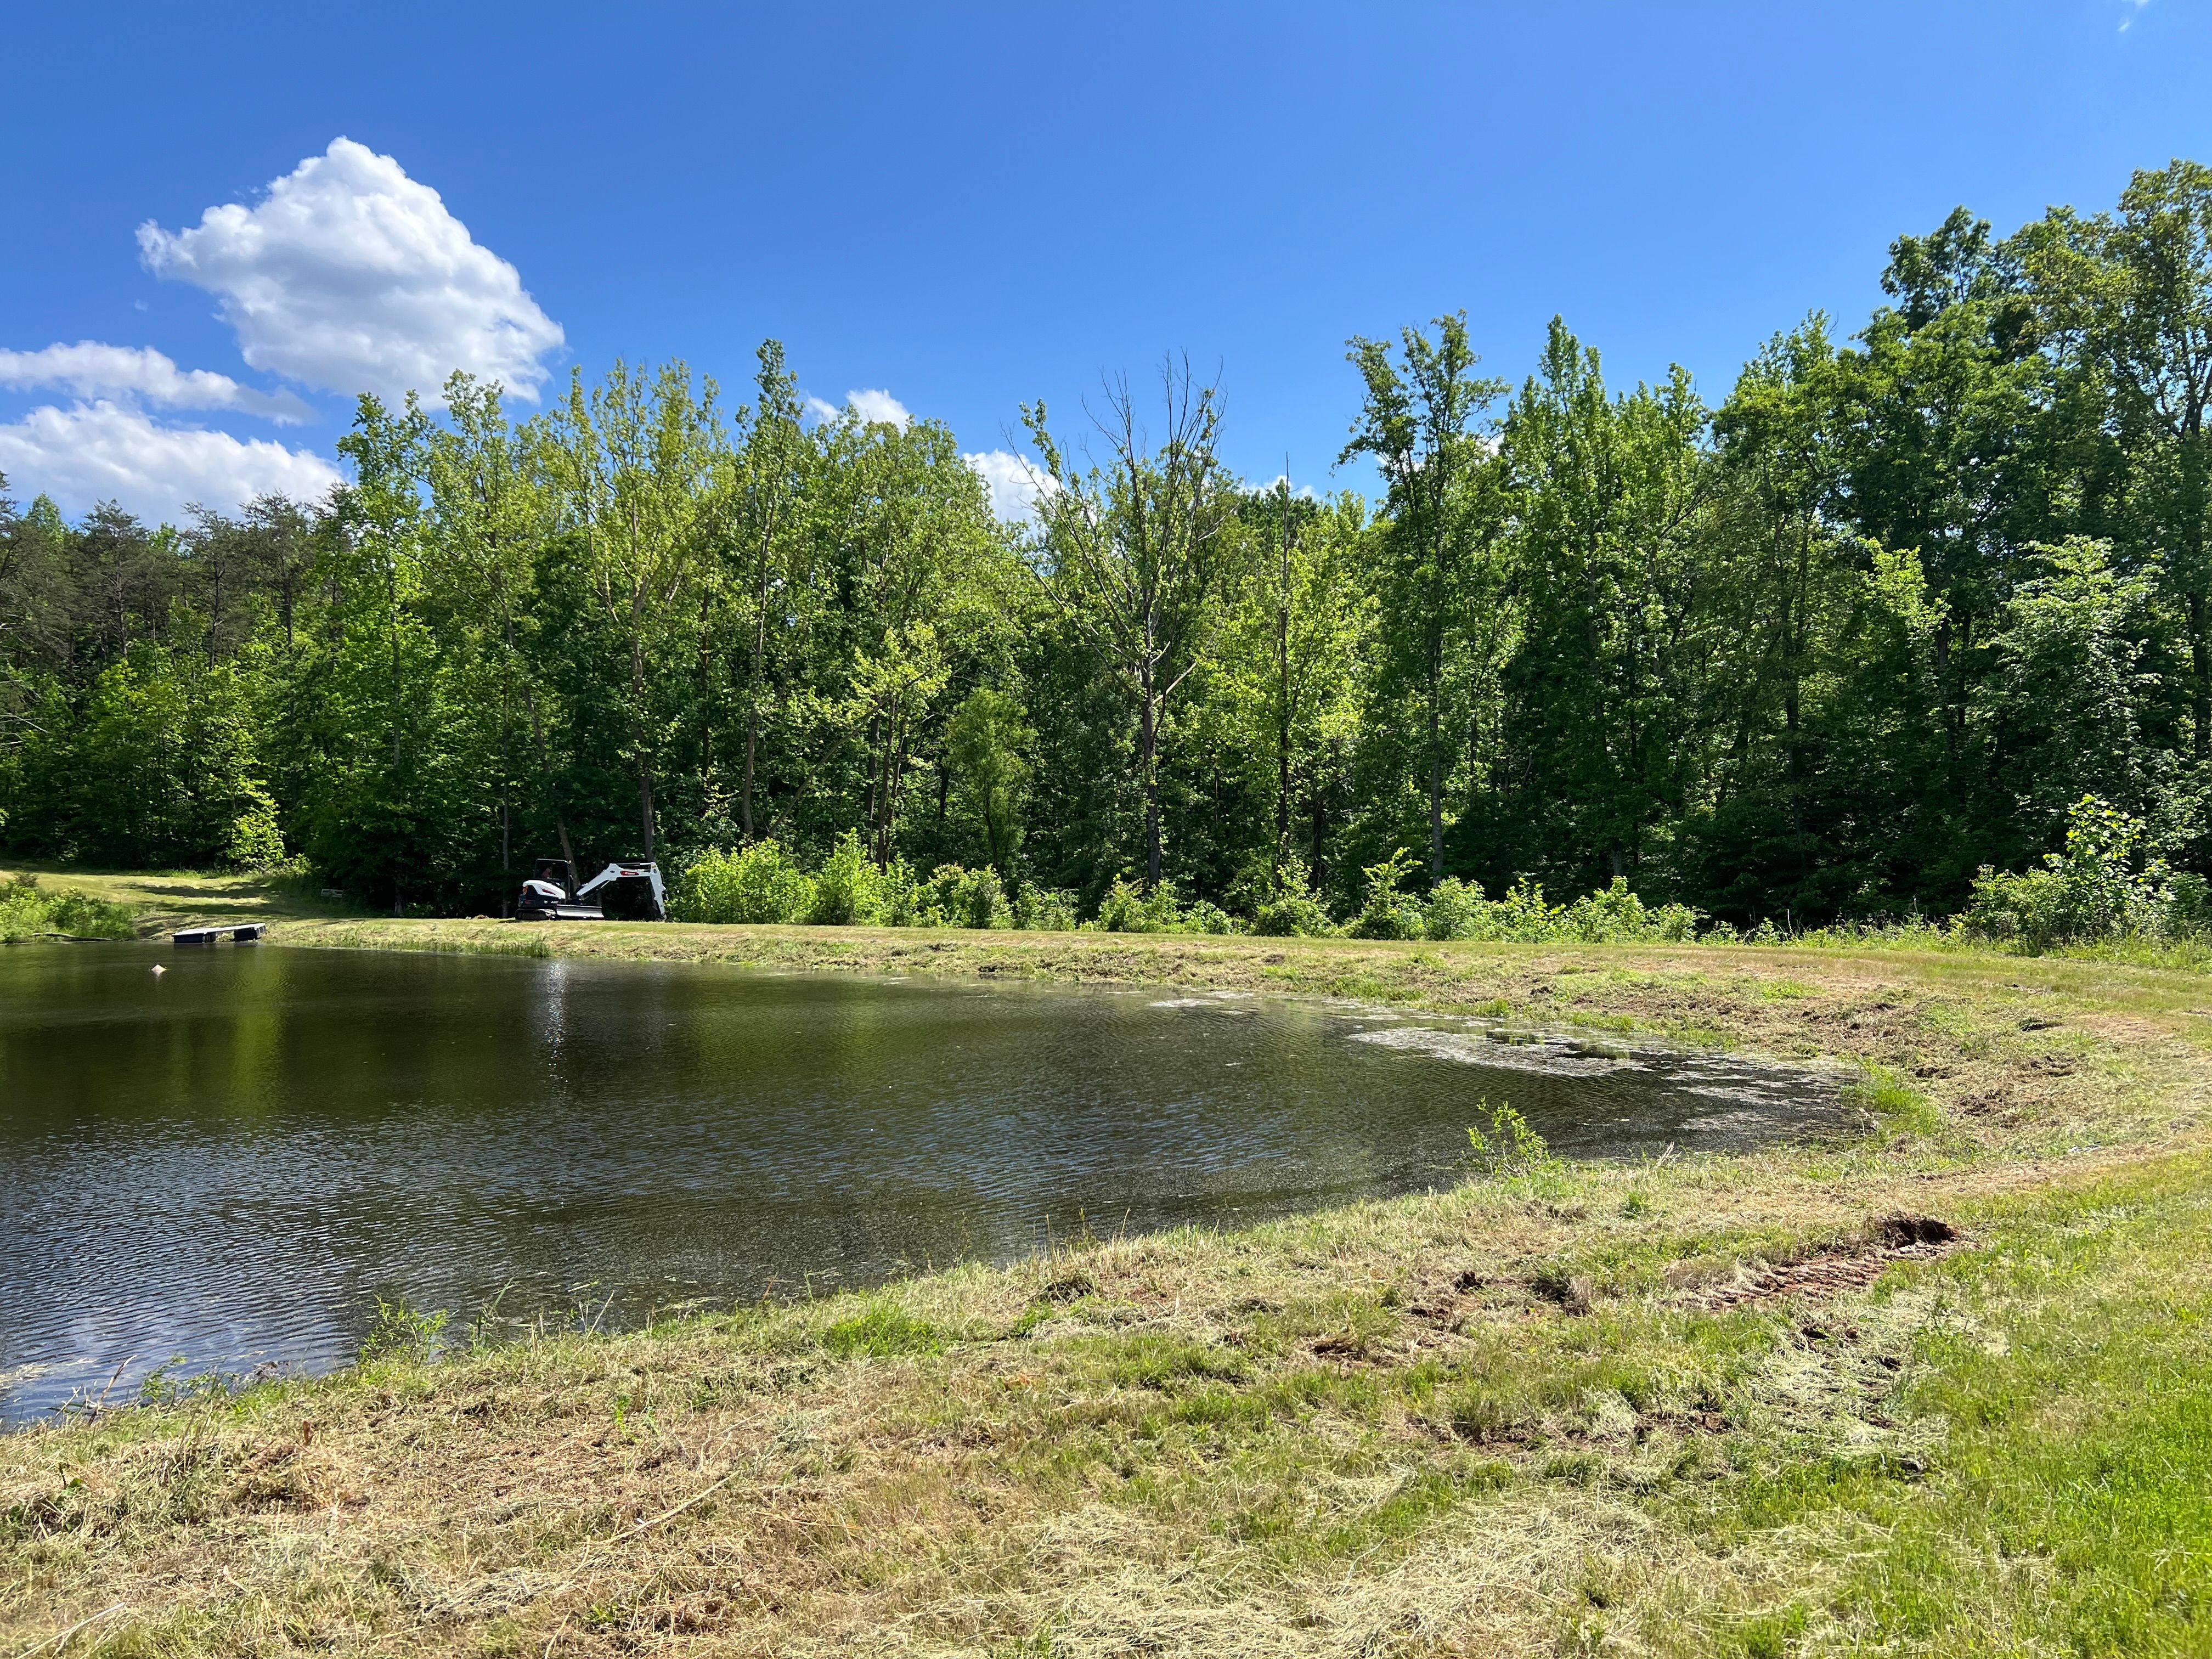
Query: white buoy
point(159, 968)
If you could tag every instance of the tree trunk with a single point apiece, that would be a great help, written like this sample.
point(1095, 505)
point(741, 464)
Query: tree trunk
point(752, 698)
point(705, 690)
point(2200, 657)
point(1283, 690)
point(1436, 760)
point(637, 732)
point(1147, 747)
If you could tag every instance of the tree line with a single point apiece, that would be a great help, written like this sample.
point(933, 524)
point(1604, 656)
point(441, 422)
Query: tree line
point(1818, 650)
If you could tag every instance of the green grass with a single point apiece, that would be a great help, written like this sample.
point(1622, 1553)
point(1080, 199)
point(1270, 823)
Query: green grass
point(2062, 1500)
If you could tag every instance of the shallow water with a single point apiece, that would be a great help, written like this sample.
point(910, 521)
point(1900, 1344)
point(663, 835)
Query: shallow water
point(232, 1161)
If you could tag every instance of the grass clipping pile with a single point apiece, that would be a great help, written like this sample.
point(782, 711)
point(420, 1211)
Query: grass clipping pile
point(1765, 1404)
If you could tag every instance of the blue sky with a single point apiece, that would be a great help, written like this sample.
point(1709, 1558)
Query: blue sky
point(967, 207)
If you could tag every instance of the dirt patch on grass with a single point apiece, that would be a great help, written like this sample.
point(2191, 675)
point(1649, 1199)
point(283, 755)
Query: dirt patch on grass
point(1829, 1273)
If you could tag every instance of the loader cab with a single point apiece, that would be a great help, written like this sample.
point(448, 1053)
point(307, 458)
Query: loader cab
point(559, 872)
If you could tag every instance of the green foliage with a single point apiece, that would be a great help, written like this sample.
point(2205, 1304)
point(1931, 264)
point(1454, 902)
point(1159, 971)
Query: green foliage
point(161, 768)
point(1284, 904)
point(756, 884)
point(847, 888)
point(1615, 915)
point(1510, 1146)
point(1045, 911)
point(2100, 888)
point(28, 911)
point(1799, 654)
point(954, 897)
point(1292, 915)
point(1129, 908)
point(1388, 913)
point(401, 1332)
point(984, 745)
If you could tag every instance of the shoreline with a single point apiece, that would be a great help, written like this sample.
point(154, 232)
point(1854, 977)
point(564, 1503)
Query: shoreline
point(1661, 1402)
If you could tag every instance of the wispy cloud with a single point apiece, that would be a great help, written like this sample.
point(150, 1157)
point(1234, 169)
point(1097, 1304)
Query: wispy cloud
point(91, 369)
point(871, 408)
point(1015, 485)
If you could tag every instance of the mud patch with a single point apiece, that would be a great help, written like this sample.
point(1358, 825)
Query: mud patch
point(1891, 1239)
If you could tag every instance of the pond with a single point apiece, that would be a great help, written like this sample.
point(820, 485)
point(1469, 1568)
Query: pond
point(232, 1160)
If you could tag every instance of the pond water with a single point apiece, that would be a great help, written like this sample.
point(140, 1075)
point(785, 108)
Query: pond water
point(233, 1160)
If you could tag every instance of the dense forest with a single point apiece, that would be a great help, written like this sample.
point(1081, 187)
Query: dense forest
point(1877, 618)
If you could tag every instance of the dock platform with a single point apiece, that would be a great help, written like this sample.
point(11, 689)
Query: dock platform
point(238, 933)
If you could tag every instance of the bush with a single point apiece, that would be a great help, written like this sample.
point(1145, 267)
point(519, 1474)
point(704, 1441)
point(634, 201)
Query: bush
point(1388, 913)
point(28, 911)
point(255, 842)
point(1127, 909)
point(1283, 903)
point(1208, 917)
point(1615, 914)
point(849, 889)
point(954, 896)
point(1293, 915)
point(760, 883)
point(2092, 892)
point(1044, 909)
point(1456, 909)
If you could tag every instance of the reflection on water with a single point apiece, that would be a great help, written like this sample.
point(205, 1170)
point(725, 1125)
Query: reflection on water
point(233, 1160)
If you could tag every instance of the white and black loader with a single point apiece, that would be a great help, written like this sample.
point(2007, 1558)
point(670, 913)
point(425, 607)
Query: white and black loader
point(629, 890)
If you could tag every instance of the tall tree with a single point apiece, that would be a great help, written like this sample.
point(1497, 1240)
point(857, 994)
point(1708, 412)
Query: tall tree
point(1137, 549)
point(771, 472)
point(2132, 294)
point(1422, 422)
point(634, 458)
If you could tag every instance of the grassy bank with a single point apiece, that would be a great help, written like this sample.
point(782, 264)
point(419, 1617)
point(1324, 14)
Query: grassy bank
point(1759, 1405)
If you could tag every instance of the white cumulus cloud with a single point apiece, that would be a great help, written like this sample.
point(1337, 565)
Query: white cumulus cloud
point(91, 369)
point(1013, 483)
point(352, 276)
point(876, 408)
point(103, 451)
point(879, 408)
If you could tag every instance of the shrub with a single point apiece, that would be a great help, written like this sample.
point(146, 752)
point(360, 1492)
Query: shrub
point(1456, 909)
point(760, 883)
point(849, 889)
point(1045, 910)
point(955, 896)
point(1293, 915)
point(255, 841)
point(28, 911)
point(1614, 914)
point(1208, 917)
point(2093, 891)
point(1510, 1146)
point(1283, 902)
point(1127, 909)
point(1388, 914)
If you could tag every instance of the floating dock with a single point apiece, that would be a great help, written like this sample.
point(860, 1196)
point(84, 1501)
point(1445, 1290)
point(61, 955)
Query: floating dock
point(238, 933)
